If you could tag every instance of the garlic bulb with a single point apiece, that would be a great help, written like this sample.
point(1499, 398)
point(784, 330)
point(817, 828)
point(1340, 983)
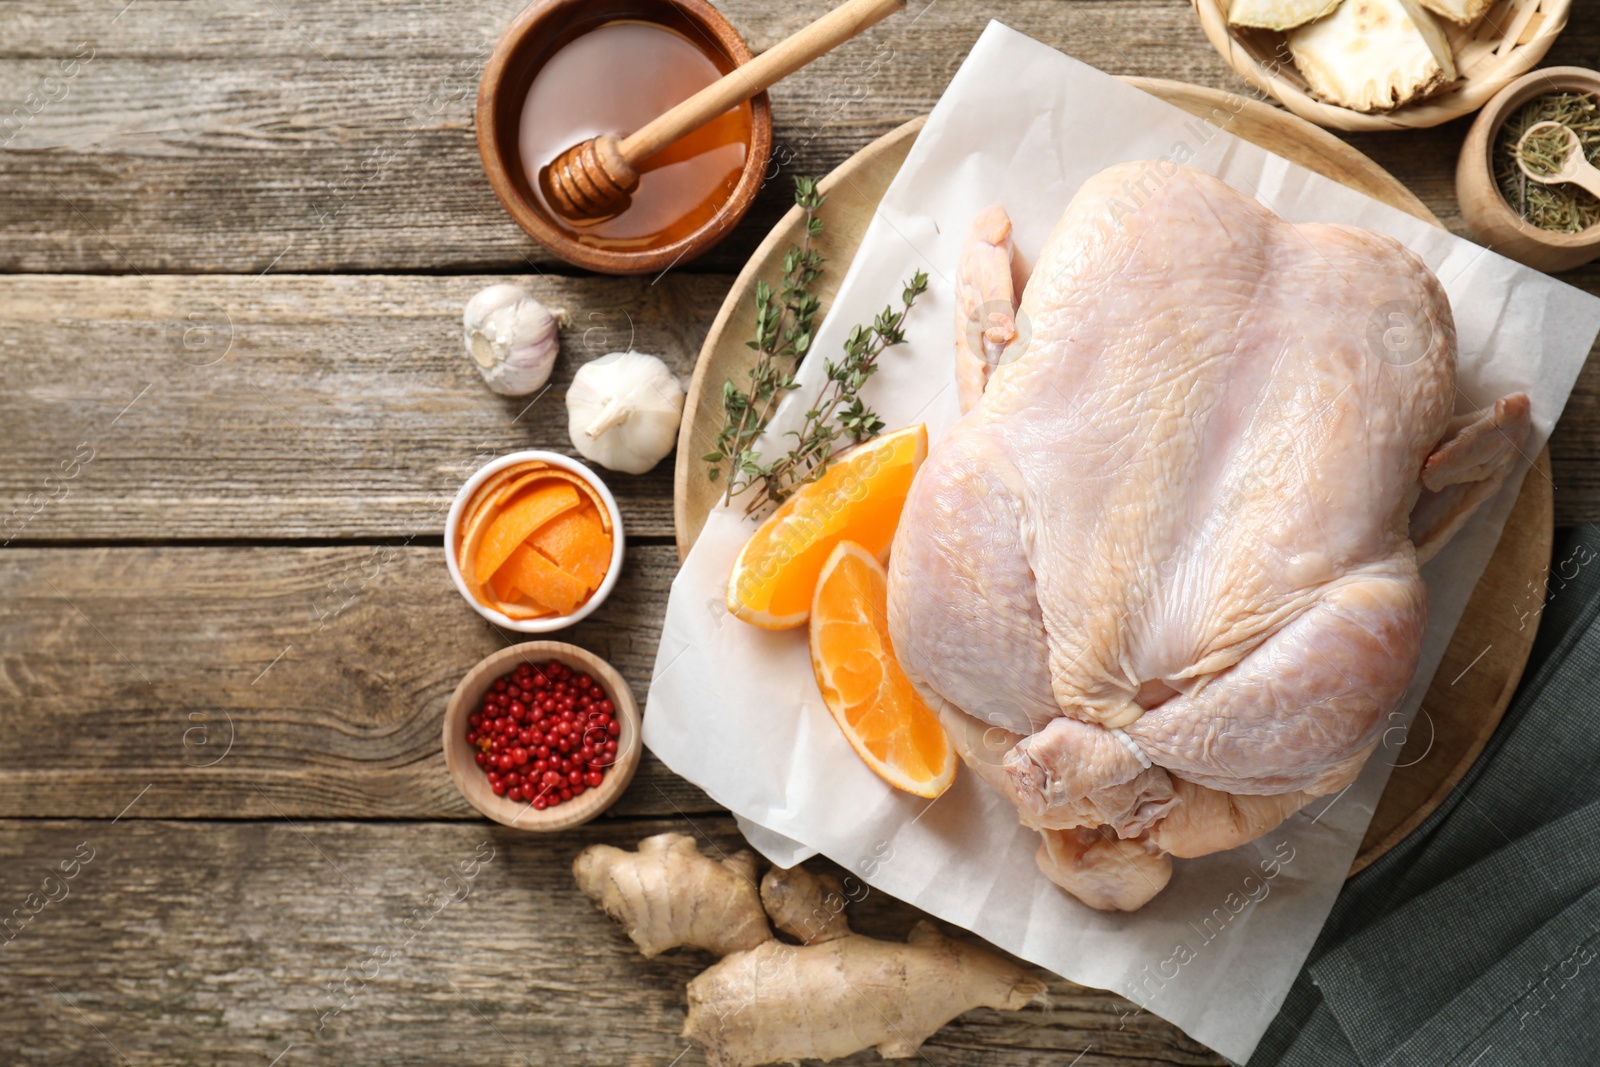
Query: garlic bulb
point(623, 411)
point(512, 338)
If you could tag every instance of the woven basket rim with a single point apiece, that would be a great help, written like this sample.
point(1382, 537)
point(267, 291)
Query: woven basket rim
point(1467, 96)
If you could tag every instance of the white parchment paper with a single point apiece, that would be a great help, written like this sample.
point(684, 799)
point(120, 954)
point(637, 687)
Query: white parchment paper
point(736, 710)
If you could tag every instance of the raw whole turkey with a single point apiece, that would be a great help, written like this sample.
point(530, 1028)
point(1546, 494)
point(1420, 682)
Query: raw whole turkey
point(1161, 578)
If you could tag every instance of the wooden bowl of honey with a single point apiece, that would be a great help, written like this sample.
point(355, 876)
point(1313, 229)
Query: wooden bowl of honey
point(568, 70)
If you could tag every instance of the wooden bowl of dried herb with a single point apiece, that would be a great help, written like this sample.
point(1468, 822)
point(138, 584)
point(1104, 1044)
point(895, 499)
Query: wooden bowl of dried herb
point(1551, 227)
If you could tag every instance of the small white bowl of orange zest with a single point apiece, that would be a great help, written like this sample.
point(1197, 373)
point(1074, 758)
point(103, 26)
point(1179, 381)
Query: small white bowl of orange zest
point(534, 541)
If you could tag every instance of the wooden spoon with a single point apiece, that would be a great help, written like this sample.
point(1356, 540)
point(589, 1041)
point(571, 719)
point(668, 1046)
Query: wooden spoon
point(590, 182)
point(1574, 168)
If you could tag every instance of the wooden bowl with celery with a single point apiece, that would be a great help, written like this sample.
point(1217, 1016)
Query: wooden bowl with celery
point(1381, 64)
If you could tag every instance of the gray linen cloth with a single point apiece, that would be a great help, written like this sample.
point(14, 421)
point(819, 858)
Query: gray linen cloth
point(1475, 941)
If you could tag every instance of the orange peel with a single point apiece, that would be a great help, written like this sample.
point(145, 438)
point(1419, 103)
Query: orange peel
point(485, 494)
point(516, 522)
point(519, 483)
point(534, 540)
point(521, 612)
point(542, 582)
point(586, 487)
point(578, 544)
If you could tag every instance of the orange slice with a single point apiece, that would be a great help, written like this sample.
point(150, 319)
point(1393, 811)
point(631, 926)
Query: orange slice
point(541, 581)
point(871, 699)
point(858, 497)
point(578, 545)
point(507, 530)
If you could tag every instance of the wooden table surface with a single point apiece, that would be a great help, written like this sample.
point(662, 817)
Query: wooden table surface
point(237, 237)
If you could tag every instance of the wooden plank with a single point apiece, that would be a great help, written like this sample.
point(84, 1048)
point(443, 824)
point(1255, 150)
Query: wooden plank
point(1575, 444)
point(339, 943)
point(291, 406)
point(341, 406)
point(266, 682)
point(338, 136)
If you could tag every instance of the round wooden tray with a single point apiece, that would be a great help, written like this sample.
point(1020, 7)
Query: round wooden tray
point(1484, 662)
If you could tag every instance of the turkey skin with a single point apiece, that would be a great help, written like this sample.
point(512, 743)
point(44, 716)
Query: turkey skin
point(1161, 578)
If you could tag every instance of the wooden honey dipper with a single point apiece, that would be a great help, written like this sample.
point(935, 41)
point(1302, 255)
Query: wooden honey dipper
point(590, 182)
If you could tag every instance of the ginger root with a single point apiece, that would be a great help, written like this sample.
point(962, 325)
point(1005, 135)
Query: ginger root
point(808, 907)
point(667, 894)
point(833, 995)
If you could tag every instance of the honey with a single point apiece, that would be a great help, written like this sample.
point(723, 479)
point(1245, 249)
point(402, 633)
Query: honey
point(614, 79)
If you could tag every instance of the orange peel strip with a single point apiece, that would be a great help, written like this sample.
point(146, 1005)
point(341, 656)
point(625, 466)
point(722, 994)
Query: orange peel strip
point(511, 527)
point(503, 587)
point(588, 489)
point(517, 484)
point(478, 504)
point(522, 612)
point(543, 582)
point(577, 544)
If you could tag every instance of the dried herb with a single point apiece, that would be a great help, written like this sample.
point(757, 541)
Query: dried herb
point(1562, 207)
point(784, 331)
point(1545, 152)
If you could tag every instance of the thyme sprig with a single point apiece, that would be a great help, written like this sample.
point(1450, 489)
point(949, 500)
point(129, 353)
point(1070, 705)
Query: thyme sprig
point(785, 320)
point(783, 334)
point(839, 413)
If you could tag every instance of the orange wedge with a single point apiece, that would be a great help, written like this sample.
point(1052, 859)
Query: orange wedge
point(577, 544)
point(871, 699)
point(540, 581)
point(507, 530)
point(859, 498)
